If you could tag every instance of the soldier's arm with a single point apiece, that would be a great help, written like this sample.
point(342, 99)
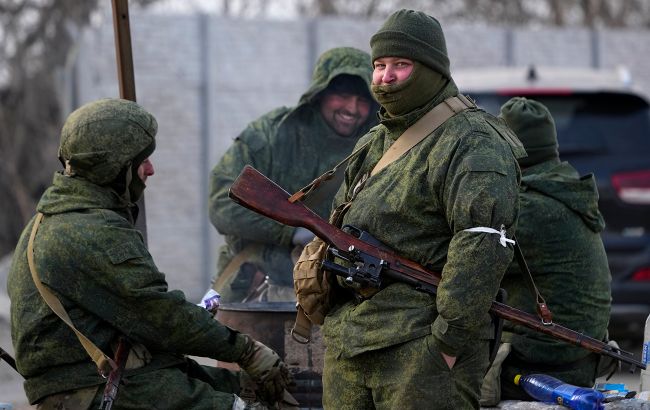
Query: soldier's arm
point(250, 148)
point(480, 191)
point(115, 279)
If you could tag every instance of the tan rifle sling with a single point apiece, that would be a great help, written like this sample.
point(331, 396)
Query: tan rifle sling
point(104, 363)
point(411, 137)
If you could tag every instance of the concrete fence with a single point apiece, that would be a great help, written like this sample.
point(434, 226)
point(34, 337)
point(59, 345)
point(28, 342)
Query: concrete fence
point(205, 77)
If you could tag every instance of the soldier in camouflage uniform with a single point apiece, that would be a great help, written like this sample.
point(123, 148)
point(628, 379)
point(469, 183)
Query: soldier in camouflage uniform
point(402, 348)
point(559, 232)
point(88, 253)
point(292, 146)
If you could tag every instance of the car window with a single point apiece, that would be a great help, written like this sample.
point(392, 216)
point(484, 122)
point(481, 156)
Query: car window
point(590, 123)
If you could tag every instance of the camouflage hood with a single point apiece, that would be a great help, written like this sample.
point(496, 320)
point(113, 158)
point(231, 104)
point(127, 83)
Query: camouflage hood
point(561, 181)
point(104, 137)
point(337, 61)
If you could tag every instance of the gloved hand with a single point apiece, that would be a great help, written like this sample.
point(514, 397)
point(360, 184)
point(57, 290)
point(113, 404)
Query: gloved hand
point(302, 237)
point(267, 370)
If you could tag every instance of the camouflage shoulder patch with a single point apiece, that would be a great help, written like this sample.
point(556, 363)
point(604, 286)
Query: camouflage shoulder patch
point(123, 252)
point(483, 163)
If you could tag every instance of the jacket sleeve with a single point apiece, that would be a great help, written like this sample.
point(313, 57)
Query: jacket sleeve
point(480, 191)
point(251, 147)
point(113, 277)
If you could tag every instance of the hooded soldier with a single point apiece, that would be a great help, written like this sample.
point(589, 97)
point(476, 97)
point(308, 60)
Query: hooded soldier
point(450, 204)
point(292, 146)
point(559, 231)
point(89, 255)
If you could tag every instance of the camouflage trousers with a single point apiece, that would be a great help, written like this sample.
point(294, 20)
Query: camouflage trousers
point(186, 387)
point(411, 375)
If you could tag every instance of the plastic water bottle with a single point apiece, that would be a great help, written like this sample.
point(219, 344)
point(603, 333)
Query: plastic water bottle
point(645, 357)
point(551, 390)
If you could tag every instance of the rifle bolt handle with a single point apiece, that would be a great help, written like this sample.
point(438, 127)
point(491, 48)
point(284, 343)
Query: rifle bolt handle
point(349, 280)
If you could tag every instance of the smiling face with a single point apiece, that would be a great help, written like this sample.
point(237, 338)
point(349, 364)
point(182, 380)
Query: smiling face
point(344, 112)
point(391, 70)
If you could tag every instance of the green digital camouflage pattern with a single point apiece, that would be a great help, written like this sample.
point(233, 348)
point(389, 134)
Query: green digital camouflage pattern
point(411, 375)
point(559, 233)
point(463, 175)
point(113, 123)
point(292, 146)
point(88, 253)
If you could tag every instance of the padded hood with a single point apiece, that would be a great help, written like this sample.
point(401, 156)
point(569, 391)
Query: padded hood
point(102, 138)
point(334, 62)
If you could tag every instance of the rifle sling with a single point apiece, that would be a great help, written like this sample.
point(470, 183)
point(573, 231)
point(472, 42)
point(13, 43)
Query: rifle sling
point(543, 310)
point(422, 128)
point(104, 363)
point(417, 132)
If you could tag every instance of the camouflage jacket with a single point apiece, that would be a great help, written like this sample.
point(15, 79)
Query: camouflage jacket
point(463, 175)
point(292, 146)
point(559, 233)
point(92, 258)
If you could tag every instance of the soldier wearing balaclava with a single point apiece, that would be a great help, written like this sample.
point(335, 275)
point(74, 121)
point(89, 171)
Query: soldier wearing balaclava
point(450, 204)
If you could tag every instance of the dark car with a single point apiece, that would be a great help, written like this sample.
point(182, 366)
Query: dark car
point(603, 128)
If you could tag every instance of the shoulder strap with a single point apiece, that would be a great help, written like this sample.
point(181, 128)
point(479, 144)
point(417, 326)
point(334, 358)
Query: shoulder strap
point(104, 363)
point(332, 178)
point(227, 275)
point(422, 128)
point(414, 134)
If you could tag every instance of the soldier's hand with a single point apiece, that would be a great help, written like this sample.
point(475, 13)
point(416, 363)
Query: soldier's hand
point(267, 369)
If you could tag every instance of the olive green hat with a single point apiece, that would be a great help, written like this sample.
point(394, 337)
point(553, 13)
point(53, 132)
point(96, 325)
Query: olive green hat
point(533, 124)
point(103, 137)
point(413, 35)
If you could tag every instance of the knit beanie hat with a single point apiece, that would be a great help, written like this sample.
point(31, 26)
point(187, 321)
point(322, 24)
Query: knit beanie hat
point(533, 124)
point(413, 35)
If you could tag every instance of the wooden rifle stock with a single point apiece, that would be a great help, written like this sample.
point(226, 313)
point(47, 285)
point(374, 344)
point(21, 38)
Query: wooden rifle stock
point(258, 193)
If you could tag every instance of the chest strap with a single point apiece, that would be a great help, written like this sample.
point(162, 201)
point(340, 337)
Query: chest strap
point(422, 128)
point(104, 363)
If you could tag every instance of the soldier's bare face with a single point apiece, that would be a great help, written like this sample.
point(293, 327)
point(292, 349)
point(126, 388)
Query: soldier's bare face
point(391, 70)
point(145, 169)
point(344, 112)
